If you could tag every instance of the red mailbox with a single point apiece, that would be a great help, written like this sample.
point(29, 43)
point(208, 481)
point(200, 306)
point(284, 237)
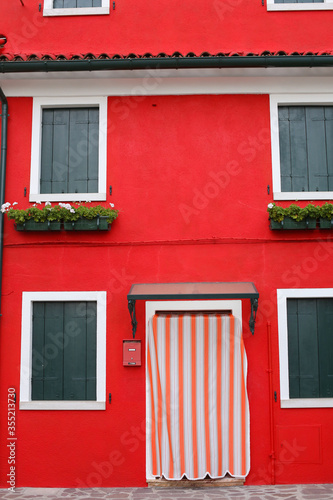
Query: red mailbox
point(132, 352)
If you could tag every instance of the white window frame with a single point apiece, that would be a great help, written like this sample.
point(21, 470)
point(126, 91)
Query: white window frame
point(277, 100)
point(235, 306)
point(282, 296)
point(326, 5)
point(48, 10)
point(28, 298)
point(39, 103)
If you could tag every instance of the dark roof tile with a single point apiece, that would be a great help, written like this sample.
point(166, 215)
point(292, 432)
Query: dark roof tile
point(148, 55)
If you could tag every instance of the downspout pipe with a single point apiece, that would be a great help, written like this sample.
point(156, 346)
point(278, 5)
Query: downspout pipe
point(209, 62)
point(3, 160)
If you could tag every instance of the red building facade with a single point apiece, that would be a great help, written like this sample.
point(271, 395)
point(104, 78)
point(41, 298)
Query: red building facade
point(198, 108)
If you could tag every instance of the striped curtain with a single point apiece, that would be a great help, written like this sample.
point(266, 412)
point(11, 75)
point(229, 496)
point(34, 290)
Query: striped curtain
point(198, 411)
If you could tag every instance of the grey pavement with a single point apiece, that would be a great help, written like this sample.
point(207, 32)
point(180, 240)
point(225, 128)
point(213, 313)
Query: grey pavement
point(284, 492)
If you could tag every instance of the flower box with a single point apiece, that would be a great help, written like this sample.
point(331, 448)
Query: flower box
point(325, 223)
point(96, 224)
point(289, 223)
point(76, 217)
point(31, 225)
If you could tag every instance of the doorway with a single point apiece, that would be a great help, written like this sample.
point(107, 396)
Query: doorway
point(197, 406)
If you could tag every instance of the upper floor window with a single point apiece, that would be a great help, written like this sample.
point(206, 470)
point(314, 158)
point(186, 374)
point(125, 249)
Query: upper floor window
point(75, 7)
point(302, 150)
point(306, 347)
point(68, 150)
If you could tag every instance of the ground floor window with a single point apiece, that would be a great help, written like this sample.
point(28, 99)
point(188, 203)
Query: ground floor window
point(306, 347)
point(63, 350)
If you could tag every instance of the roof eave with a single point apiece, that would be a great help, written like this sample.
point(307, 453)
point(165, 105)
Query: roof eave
point(153, 63)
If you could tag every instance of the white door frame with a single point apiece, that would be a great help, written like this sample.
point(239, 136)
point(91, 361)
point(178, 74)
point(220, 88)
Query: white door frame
point(235, 306)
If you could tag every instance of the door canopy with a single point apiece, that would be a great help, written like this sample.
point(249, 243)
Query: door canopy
point(193, 291)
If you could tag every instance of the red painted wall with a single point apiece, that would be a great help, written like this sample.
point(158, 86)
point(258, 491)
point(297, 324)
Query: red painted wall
point(189, 176)
point(166, 26)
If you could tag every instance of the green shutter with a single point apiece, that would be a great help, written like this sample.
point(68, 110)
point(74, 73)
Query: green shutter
point(91, 350)
point(316, 148)
point(46, 151)
point(306, 150)
point(80, 353)
point(64, 351)
point(310, 347)
point(37, 368)
point(78, 151)
point(329, 144)
point(285, 155)
point(60, 151)
point(69, 154)
point(325, 345)
point(93, 149)
point(293, 350)
point(53, 351)
point(293, 156)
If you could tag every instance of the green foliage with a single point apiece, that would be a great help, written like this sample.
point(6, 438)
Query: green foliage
point(326, 211)
point(63, 212)
point(297, 213)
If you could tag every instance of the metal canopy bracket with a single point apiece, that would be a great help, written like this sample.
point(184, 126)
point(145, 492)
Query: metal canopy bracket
point(131, 308)
point(254, 308)
point(193, 291)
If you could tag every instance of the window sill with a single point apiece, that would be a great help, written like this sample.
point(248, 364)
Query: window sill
point(307, 403)
point(303, 195)
point(68, 197)
point(299, 7)
point(83, 11)
point(62, 405)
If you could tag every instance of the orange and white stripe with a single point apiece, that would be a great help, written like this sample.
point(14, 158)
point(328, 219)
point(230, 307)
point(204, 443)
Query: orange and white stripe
point(198, 408)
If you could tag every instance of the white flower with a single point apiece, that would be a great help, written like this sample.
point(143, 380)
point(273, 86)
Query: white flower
point(5, 207)
point(15, 203)
point(34, 205)
point(270, 205)
point(39, 202)
point(111, 205)
point(72, 211)
point(48, 203)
